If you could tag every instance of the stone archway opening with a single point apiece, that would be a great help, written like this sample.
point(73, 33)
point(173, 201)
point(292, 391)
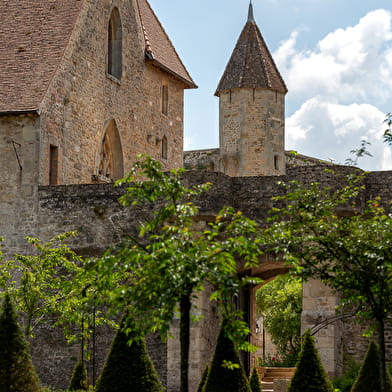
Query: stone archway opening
point(278, 309)
point(111, 165)
point(267, 270)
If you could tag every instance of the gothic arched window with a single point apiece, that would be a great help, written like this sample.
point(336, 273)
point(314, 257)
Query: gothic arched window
point(115, 45)
point(111, 158)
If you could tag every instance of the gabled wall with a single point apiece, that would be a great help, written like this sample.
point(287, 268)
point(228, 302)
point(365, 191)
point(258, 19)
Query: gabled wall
point(83, 99)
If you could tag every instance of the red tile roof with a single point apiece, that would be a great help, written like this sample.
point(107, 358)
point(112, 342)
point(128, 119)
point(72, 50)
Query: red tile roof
point(159, 48)
point(251, 64)
point(34, 35)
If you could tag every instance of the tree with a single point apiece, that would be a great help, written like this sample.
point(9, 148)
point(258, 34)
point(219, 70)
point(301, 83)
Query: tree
point(17, 373)
point(44, 284)
point(350, 250)
point(128, 367)
point(254, 382)
point(226, 373)
point(280, 304)
point(310, 375)
point(161, 269)
point(388, 131)
point(79, 378)
point(369, 377)
point(360, 152)
point(203, 379)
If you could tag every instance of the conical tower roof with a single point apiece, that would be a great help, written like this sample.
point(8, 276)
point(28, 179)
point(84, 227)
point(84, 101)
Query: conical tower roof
point(251, 63)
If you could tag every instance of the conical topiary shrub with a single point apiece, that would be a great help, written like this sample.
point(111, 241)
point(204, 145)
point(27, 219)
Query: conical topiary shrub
point(221, 378)
point(128, 368)
point(203, 379)
point(17, 372)
point(254, 382)
point(369, 375)
point(79, 378)
point(310, 375)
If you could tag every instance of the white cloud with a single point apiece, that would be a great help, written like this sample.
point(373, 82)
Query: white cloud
point(333, 130)
point(348, 64)
point(335, 82)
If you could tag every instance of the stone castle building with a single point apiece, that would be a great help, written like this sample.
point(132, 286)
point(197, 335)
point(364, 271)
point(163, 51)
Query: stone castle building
point(85, 86)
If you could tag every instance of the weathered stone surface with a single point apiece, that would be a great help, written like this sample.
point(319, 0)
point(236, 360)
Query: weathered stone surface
point(94, 211)
point(83, 99)
point(251, 132)
point(281, 385)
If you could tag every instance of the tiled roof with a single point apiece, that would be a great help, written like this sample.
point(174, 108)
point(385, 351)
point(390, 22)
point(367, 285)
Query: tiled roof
point(159, 48)
point(251, 63)
point(33, 38)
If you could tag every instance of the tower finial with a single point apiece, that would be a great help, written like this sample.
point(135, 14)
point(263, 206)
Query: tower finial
point(250, 12)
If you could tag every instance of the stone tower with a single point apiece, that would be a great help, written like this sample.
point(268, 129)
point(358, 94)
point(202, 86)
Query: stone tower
point(251, 109)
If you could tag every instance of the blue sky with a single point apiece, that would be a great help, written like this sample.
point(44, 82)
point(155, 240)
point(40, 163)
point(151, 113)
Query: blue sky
point(335, 56)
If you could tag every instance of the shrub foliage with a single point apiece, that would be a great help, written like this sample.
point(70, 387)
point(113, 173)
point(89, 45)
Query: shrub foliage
point(254, 382)
point(310, 375)
point(128, 368)
point(369, 378)
point(227, 373)
point(203, 379)
point(79, 378)
point(17, 373)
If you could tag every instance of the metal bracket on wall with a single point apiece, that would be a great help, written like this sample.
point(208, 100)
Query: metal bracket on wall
point(14, 144)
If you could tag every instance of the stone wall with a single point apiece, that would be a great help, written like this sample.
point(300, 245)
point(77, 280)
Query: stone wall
point(19, 149)
point(83, 99)
point(251, 132)
point(293, 159)
point(202, 159)
point(319, 303)
point(93, 210)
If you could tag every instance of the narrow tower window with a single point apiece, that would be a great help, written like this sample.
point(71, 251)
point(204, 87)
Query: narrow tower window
point(164, 148)
point(115, 45)
point(165, 98)
point(53, 165)
point(276, 162)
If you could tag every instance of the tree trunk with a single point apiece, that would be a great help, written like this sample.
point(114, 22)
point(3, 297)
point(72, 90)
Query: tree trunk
point(185, 328)
point(381, 343)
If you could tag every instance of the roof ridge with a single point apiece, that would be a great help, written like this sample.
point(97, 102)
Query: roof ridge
point(262, 45)
point(271, 57)
point(147, 45)
point(150, 48)
point(251, 63)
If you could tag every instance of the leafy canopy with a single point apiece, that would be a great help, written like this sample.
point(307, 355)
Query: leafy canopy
point(173, 254)
point(280, 304)
point(346, 242)
point(326, 234)
point(157, 272)
point(47, 283)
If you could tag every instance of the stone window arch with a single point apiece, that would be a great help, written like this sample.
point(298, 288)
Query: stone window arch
point(115, 45)
point(164, 148)
point(111, 167)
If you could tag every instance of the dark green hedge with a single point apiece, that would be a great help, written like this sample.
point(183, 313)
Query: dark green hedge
point(369, 375)
point(221, 378)
point(128, 368)
point(17, 373)
point(310, 375)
